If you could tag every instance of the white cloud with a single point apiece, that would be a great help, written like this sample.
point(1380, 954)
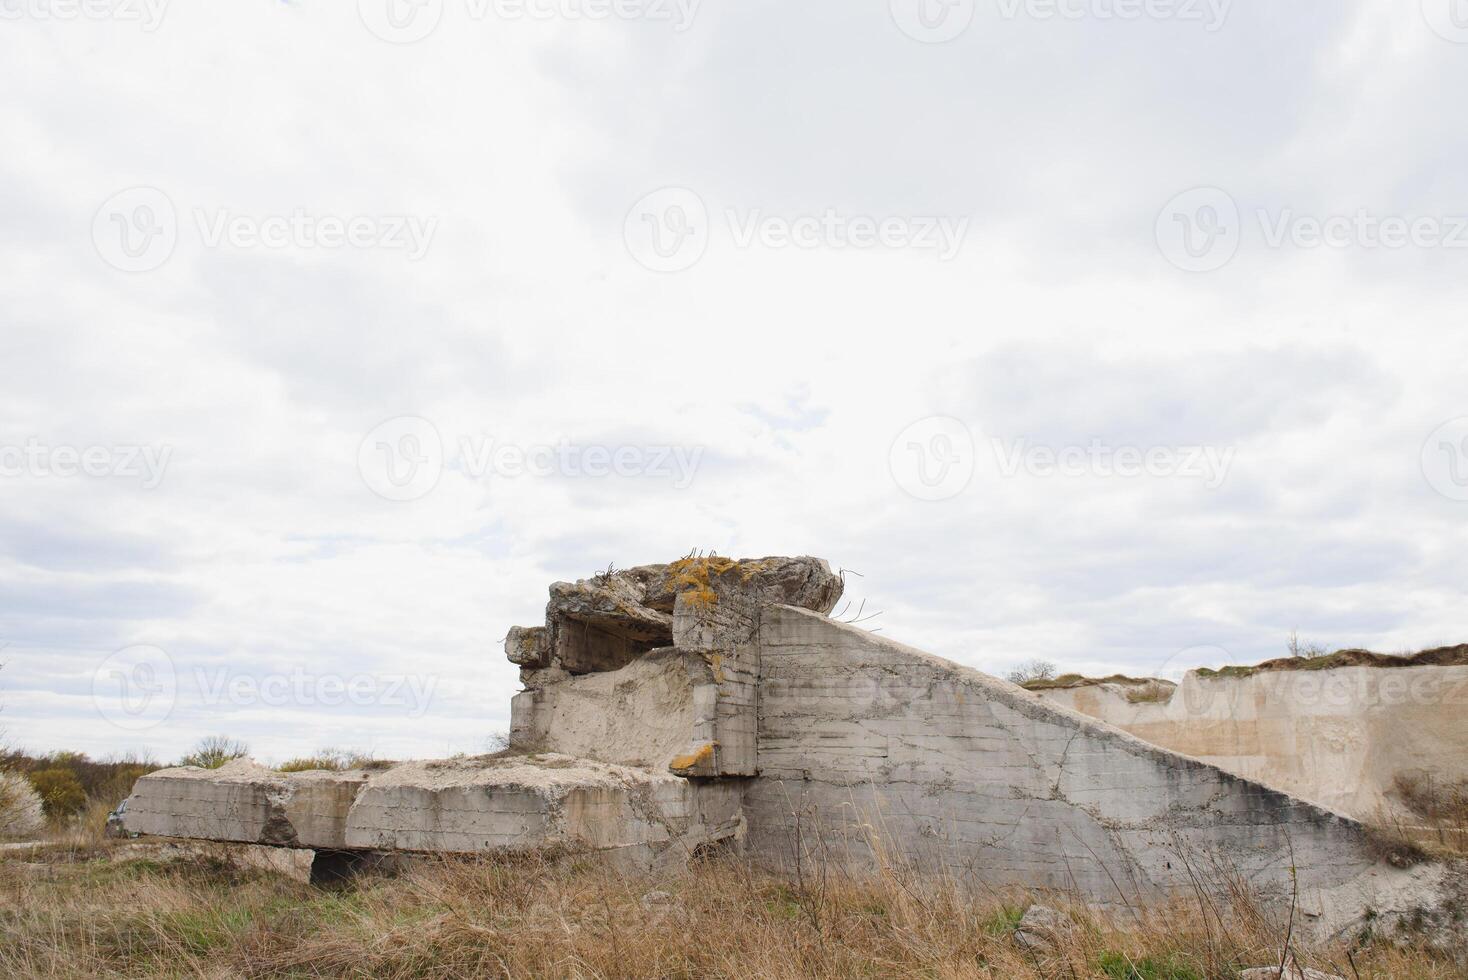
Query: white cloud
point(788, 371)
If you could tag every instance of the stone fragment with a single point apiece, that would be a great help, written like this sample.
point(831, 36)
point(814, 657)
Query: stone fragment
point(1292, 971)
point(528, 647)
point(1042, 927)
point(601, 623)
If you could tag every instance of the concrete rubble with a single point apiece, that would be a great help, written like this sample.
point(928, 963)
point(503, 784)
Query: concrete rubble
point(711, 703)
point(1291, 971)
point(1042, 927)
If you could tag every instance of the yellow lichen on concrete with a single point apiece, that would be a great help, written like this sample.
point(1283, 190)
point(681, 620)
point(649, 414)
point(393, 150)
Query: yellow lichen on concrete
point(692, 576)
point(700, 759)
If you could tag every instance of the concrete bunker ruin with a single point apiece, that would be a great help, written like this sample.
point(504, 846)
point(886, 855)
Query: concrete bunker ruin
point(712, 703)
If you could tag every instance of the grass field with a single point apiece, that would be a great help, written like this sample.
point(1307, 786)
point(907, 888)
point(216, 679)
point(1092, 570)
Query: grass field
point(100, 909)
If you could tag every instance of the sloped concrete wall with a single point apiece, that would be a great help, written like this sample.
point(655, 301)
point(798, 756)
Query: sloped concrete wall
point(1337, 737)
point(863, 739)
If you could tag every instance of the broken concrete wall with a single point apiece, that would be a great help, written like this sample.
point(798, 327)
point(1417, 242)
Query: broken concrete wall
point(595, 688)
point(520, 803)
point(1340, 737)
point(246, 802)
point(638, 715)
point(454, 805)
point(870, 748)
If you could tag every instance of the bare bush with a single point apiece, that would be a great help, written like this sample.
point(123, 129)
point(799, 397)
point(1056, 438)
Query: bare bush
point(1033, 670)
point(214, 751)
point(21, 810)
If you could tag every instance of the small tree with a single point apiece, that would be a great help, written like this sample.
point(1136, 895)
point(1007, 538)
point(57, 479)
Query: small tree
point(214, 751)
point(60, 791)
point(1304, 651)
point(1034, 670)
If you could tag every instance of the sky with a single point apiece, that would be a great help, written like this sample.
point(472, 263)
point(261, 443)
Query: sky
point(1121, 334)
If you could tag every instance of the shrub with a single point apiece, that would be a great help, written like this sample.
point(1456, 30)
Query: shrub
point(333, 760)
point(1152, 692)
point(60, 791)
point(214, 751)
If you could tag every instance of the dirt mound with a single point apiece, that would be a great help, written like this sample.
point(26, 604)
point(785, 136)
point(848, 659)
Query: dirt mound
point(1456, 656)
point(1066, 681)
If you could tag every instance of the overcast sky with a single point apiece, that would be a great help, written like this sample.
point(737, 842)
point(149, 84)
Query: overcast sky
point(1127, 335)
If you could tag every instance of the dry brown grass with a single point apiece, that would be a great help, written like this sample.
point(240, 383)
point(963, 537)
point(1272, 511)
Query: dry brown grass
point(1436, 824)
point(66, 916)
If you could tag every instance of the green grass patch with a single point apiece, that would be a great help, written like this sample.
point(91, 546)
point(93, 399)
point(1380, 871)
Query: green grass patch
point(1119, 966)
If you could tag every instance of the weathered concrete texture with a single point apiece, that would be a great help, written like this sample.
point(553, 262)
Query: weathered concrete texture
point(455, 805)
point(286, 861)
point(247, 802)
point(638, 715)
point(528, 647)
point(604, 622)
point(522, 803)
point(21, 812)
point(872, 748)
point(705, 611)
point(1340, 737)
